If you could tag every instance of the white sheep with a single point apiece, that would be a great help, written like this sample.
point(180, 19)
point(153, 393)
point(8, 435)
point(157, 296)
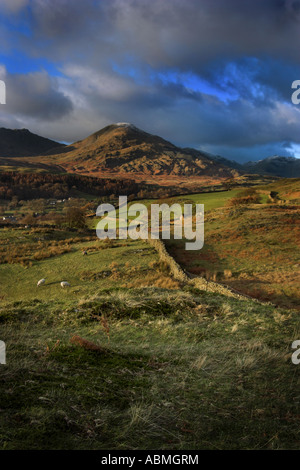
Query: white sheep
point(41, 282)
point(65, 284)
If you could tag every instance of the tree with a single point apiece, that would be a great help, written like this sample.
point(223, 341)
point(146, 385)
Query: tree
point(28, 219)
point(75, 217)
point(229, 183)
point(274, 196)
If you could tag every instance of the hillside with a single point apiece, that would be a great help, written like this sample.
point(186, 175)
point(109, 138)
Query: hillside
point(129, 357)
point(45, 185)
point(285, 167)
point(229, 163)
point(253, 248)
point(23, 143)
point(123, 150)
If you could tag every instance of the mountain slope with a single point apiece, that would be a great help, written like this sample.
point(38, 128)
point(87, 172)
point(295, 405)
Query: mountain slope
point(285, 167)
point(22, 143)
point(226, 162)
point(123, 148)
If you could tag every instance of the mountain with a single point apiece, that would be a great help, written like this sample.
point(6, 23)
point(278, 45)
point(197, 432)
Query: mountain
point(22, 143)
point(285, 167)
point(123, 149)
point(226, 162)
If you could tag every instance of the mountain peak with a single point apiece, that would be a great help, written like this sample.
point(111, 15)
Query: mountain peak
point(284, 158)
point(125, 124)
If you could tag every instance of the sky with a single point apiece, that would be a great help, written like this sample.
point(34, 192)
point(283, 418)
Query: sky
point(215, 75)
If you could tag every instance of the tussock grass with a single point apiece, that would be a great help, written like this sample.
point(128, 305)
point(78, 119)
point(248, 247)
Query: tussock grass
point(182, 369)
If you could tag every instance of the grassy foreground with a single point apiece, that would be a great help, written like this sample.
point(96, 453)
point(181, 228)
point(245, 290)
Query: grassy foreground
point(130, 358)
point(180, 369)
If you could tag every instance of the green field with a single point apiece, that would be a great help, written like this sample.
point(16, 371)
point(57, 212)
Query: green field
point(106, 266)
point(211, 200)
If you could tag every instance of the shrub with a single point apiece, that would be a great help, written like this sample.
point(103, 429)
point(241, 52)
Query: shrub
point(249, 196)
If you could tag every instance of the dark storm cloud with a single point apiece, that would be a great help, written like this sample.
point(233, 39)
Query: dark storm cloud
point(118, 58)
point(172, 33)
point(36, 95)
